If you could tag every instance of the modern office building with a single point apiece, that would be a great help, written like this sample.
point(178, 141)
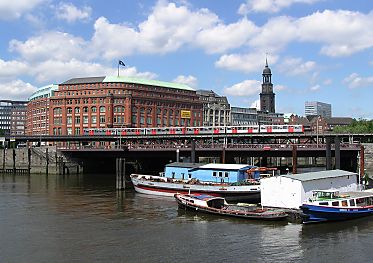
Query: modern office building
point(12, 117)
point(216, 109)
point(267, 96)
point(112, 102)
point(244, 116)
point(316, 108)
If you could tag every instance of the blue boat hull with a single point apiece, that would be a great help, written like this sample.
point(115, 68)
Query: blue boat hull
point(316, 214)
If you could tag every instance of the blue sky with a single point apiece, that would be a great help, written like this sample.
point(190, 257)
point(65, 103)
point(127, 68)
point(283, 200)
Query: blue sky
point(317, 49)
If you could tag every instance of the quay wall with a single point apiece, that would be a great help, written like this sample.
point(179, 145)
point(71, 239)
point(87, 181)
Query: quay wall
point(38, 160)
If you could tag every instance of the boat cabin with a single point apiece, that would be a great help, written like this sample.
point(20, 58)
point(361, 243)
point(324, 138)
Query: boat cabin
point(220, 173)
point(333, 198)
point(325, 194)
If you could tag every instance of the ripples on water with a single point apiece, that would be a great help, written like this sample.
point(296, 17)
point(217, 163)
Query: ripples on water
point(83, 219)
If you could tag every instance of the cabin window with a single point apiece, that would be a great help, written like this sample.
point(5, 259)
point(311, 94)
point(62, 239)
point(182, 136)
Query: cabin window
point(323, 203)
point(190, 176)
point(214, 174)
point(335, 203)
point(344, 203)
point(226, 174)
point(352, 202)
point(173, 175)
point(182, 175)
point(361, 202)
point(220, 174)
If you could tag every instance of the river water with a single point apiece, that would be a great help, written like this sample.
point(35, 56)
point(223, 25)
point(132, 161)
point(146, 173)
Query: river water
point(84, 219)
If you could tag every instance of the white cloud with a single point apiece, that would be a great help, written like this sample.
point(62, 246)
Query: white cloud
point(51, 45)
point(356, 81)
point(315, 88)
point(245, 88)
point(342, 33)
point(188, 80)
point(16, 90)
point(269, 6)
point(296, 66)
point(252, 62)
point(71, 13)
point(168, 28)
point(10, 69)
point(58, 71)
point(15, 9)
point(224, 37)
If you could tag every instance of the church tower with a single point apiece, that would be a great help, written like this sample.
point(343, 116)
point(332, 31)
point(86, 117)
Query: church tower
point(267, 97)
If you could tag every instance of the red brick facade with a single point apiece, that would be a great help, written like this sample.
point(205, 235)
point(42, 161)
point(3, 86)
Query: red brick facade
point(92, 103)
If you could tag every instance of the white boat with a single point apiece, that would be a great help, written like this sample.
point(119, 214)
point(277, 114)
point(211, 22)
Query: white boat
point(164, 186)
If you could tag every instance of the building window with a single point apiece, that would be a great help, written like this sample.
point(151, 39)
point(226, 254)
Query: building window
point(102, 109)
point(77, 131)
point(69, 110)
point(93, 119)
point(77, 110)
point(94, 109)
point(69, 131)
point(102, 118)
point(69, 120)
point(85, 110)
point(77, 120)
point(85, 119)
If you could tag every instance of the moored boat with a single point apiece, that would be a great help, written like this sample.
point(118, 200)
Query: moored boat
point(159, 185)
point(219, 206)
point(330, 205)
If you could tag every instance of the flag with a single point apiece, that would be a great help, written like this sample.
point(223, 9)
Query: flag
point(121, 63)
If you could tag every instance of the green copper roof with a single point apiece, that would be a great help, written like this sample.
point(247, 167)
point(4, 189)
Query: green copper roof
point(43, 92)
point(147, 82)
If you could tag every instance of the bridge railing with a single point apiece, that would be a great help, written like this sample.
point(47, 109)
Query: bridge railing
point(199, 146)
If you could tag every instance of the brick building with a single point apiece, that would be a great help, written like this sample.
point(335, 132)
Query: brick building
point(115, 102)
point(37, 117)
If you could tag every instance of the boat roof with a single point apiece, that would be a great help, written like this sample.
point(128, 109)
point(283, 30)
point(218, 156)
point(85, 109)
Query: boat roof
point(223, 166)
point(211, 166)
point(318, 175)
point(184, 165)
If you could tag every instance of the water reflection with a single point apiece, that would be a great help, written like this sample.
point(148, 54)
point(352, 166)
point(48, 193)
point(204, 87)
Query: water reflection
point(55, 218)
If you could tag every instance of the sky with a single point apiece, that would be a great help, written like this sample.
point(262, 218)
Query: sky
point(318, 50)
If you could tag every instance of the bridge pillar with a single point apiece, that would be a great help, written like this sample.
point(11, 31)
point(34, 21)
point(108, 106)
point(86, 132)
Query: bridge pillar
point(193, 151)
point(223, 155)
point(337, 152)
point(121, 171)
point(328, 153)
point(294, 155)
point(362, 163)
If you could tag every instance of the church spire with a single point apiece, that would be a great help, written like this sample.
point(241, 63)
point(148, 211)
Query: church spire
point(266, 61)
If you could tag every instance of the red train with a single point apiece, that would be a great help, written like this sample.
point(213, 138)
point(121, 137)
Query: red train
point(196, 130)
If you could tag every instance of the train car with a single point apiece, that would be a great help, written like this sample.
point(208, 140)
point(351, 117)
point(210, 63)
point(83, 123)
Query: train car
point(242, 129)
point(131, 131)
point(99, 131)
point(281, 128)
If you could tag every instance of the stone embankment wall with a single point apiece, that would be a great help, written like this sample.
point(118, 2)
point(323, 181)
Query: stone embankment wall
point(38, 161)
point(368, 158)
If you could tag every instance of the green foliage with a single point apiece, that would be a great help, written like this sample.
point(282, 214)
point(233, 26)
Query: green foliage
point(357, 126)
